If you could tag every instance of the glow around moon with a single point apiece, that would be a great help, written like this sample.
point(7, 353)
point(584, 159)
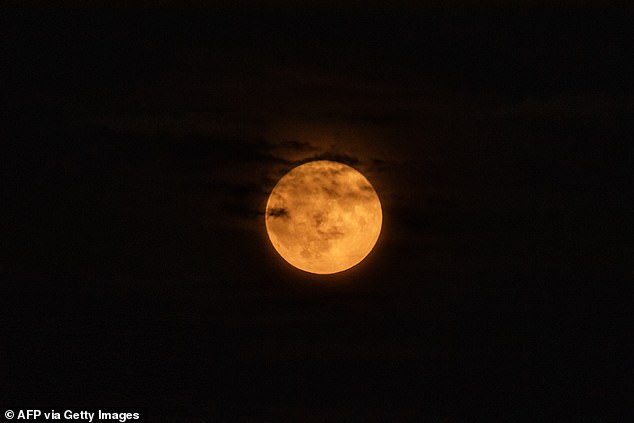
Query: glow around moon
point(323, 217)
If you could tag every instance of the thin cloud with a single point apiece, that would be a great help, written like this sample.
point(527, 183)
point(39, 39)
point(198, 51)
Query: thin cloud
point(278, 212)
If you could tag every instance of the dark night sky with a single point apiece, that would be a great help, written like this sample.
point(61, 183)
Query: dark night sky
point(140, 144)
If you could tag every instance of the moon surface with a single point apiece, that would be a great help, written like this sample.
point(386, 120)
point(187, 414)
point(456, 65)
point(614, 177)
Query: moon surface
point(323, 217)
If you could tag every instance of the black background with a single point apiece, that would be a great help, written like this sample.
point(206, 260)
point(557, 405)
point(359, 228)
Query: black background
point(140, 142)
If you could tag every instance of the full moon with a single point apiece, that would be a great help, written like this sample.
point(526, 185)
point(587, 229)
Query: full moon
point(323, 217)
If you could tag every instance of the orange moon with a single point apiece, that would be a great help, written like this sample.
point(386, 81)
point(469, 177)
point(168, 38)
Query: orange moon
point(323, 217)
